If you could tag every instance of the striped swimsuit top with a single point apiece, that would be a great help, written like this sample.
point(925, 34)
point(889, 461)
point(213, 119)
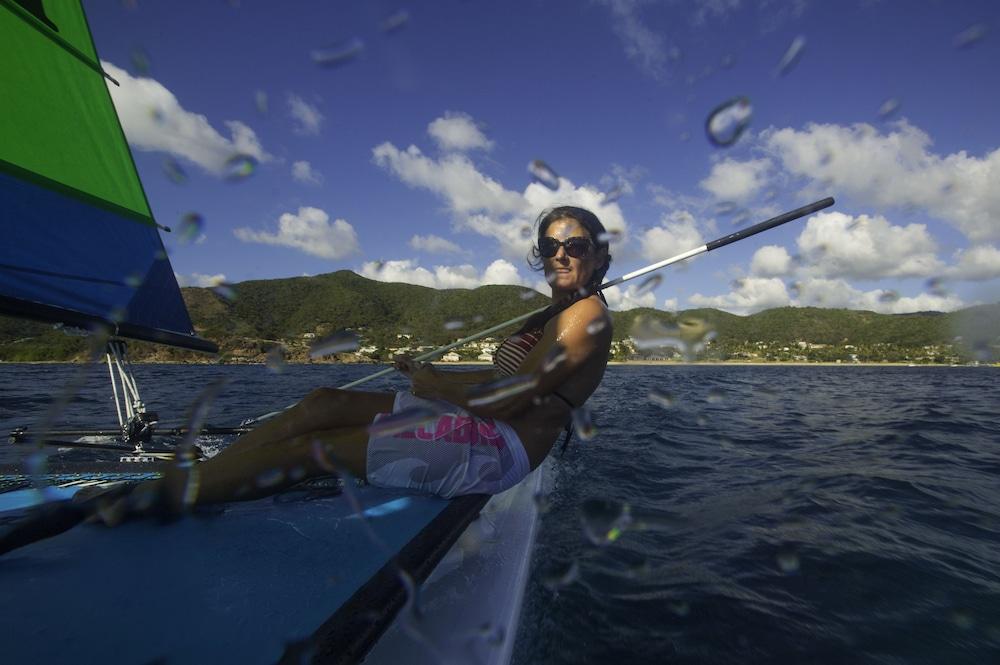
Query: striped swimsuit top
point(512, 352)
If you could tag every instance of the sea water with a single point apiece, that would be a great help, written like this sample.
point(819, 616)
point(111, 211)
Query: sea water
point(767, 514)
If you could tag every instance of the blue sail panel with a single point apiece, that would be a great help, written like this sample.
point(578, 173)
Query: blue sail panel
point(67, 259)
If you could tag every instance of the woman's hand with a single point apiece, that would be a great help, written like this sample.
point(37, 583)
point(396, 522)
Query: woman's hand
point(407, 364)
point(425, 382)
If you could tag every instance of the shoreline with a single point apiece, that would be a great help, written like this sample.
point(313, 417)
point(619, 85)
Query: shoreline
point(617, 363)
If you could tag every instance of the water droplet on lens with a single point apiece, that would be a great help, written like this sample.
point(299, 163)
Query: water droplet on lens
point(728, 60)
point(648, 285)
point(225, 291)
point(528, 295)
point(701, 421)
point(542, 502)
point(560, 575)
point(276, 359)
point(555, 357)
point(190, 228)
point(526, 232)
point(134, 280)
point(612, 195)
point(609, 236)
point(239, 167)
point(270, 478)
point(140, 61)
point(407, 419)
point(963, 618)
point(260, 101)
point(788, 561)
point(339, 54)
point(888, 297)
point(604, 520)
point(596, 326)
point(117, 315)
point(935, 285)
point(661, 398)
point(544, 174)
point(727, 122)
point(971, 35)
point(680, 608)
point(888, 108)
point(583, 425)
point(454, 324)
point(501, 389)
point(791, 56)
point(173, 171)
point(395, 21)
point(716, 395)
point(639, 570)
point(342, 341)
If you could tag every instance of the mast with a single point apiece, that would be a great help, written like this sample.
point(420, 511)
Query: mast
point(80, 246)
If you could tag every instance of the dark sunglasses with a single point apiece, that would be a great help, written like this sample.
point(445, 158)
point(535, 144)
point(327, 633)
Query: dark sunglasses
point(576, 247)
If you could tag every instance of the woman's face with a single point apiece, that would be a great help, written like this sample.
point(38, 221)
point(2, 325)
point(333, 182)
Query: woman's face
point(563, 272)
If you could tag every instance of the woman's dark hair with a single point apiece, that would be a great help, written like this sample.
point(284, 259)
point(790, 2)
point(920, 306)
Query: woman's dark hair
point(598, 235)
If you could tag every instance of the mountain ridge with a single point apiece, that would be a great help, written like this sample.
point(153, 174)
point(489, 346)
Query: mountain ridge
point(292, 312)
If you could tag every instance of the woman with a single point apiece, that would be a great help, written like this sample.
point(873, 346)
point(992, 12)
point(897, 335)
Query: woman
point(483, 431)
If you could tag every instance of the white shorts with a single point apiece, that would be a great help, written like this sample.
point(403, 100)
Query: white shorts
point(451, 454)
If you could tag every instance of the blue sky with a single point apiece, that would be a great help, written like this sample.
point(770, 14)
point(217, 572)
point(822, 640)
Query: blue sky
point(393, 140)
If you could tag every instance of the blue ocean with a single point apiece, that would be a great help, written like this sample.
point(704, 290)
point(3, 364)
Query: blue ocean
point(761, 514)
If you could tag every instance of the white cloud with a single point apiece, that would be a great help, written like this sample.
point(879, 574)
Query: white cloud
point(453, 177)
point(867, 247)
point(752, 294)
point(458, 132)
point(770, 261)
point(676, 234)
point(976, 263)
point(621, 300)
point(198, 279)
point(671, 304)
point(502, 272)
point(642, 45)
point(307, 117)
point(895, 169)
point(839, 294)
point(154, 120)
point(434, 244)
point(731, 180)
point(482, 205)
point(303, 172)
point(443, 277)
point(309, 231)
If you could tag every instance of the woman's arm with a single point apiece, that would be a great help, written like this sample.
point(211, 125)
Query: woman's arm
point(467, 377)
point(544, 369)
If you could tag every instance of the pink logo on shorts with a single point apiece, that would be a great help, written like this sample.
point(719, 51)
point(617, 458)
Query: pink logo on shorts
point(458, 429)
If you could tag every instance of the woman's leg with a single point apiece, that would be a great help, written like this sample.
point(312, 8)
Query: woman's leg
point(267, 469)
point(257, 472)
point(320, 410)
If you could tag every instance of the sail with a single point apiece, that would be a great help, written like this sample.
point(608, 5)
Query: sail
point(78, 242)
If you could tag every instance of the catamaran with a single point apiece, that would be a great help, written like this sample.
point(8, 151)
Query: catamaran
point(324, 571)
point(327, 573)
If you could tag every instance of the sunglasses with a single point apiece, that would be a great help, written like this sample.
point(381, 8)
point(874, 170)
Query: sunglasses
point(576, 247)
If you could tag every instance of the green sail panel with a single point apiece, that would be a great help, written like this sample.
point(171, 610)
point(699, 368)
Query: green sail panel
point(59, 124)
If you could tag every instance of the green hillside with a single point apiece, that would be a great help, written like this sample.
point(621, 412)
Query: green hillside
point(292, 313)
